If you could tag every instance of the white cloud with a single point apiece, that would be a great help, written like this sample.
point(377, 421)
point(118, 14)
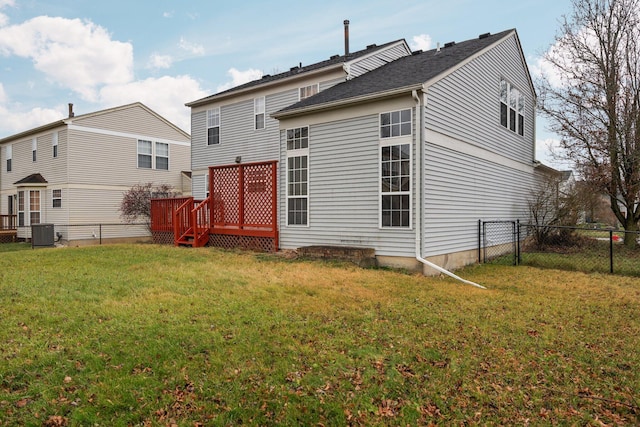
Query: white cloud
point(193, 48)
point(4, 19)
point(79, 55)
point(420, 42)
point(168, 14)
point(160, 61)
point(240, 77)
point(165, 95)
point(3, 95)
point(13, 121)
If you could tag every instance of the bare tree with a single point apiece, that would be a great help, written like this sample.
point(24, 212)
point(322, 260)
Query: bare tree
point(593, 102)
point(136, 202)
point(551, 204)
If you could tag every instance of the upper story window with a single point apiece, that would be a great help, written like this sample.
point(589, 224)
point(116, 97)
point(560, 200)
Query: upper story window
point(512, 104)
point(153, 155)
point(9, 155)
point(213, 126)
point(145, 154)
point(395, 185)
point(34, 149)
point(308, 91)
point(162, 156)
point(54, 144)
point(395, 123)
point(258, 112)
point(297, 138)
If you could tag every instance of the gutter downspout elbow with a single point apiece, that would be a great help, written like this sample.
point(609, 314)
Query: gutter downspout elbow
point(419, 189)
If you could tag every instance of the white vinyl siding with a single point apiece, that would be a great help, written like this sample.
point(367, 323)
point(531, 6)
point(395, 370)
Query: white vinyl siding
point(464, 104)
point(344, 191)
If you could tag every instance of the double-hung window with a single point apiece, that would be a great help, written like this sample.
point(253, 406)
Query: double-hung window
point(162, 155)
point(21, 207)
point(258, 112)
point(512, 103)
point(56, 198)
point(9, 154)
point(153, 155)
point(395, 169)
point(54, 144)
point(145, 154)
point(213, 126)
point(34, 149)
point(298, 176)
point(34, 207)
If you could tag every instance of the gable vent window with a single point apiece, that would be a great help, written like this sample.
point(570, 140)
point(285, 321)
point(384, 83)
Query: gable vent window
point(395, 123)
point(512, 104)
point(213, 126)
point(258, 111)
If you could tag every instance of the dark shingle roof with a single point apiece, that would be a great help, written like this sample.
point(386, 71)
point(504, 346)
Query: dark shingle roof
point(334, 60)
point(34, 178)
point(404, 72)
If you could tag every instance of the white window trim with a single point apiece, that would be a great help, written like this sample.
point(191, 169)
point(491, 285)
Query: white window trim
point(154, 155)
point(34, 150)
point(298, 152)
point(515, 94)
point(9, 159)
point(389, 142)
point(257, 112)
point(54, 145)
point(399, 136)
point(209, 115)
point(300, 98)
point(31, 211)
point(27, 211)
point(54, 198)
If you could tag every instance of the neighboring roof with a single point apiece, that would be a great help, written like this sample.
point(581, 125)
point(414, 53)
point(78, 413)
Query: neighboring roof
point(336, 61)
point(34, 178)
point(69, 120)
point(403, 74)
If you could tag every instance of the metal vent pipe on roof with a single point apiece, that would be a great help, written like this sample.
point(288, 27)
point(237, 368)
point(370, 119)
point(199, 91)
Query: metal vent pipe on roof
point(71, 114)
point(346, 37)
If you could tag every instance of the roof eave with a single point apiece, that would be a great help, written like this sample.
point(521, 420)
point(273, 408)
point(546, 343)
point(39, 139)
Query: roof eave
point(345, 102)
point(222, 96)
point(33, 131)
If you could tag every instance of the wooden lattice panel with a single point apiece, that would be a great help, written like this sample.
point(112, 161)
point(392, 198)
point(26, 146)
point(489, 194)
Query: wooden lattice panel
point(250, 243)
point(258, 190)
point(162, 237)
point(225, 190)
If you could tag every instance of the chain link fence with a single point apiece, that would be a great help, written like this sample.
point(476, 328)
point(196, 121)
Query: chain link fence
point(94, 234)
point(586, 249)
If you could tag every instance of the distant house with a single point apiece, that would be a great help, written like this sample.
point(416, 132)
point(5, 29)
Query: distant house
point(397, 151)
point(73, 172)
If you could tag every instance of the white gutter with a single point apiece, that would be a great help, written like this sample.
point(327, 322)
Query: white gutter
point(420, 189)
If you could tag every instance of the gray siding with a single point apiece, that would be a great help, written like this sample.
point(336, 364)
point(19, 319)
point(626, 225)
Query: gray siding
point(343, 191)
point(460, 190)
point(361, 66)
point(466, 104)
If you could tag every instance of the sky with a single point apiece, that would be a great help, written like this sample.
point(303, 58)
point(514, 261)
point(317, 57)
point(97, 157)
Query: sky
point(165, 53)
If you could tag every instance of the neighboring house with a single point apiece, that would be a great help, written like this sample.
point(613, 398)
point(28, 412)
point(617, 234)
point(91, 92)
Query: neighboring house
point(74, 172)
point(398, 151)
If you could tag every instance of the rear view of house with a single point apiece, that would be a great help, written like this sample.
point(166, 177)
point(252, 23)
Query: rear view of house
point(396, 151)
point(73, 173)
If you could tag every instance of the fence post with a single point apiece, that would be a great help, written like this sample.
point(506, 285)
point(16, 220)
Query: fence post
point(611, 251)
point(100, 228)
point(518, 258)
point(479, 241)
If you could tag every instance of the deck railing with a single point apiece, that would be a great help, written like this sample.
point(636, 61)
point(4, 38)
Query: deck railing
point(200, 215)
point(8, 222)
point(162, 213)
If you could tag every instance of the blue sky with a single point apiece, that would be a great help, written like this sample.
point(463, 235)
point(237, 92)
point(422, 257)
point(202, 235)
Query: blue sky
point(164, 53)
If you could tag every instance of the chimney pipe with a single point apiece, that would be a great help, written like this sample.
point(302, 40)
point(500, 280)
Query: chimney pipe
point(346, 37)
point(71, 110)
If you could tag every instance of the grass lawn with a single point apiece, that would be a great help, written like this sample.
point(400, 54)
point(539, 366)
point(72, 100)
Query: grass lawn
point(157, 335)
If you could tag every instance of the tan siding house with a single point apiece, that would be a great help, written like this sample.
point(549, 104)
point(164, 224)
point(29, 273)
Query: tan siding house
point(73, 173)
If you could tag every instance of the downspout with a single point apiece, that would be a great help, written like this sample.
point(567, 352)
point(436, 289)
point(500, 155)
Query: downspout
point(418, 193)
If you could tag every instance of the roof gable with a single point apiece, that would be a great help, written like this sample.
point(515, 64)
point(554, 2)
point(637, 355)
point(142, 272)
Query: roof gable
point(34, 178)
point(346, 62)
point(401, 75)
